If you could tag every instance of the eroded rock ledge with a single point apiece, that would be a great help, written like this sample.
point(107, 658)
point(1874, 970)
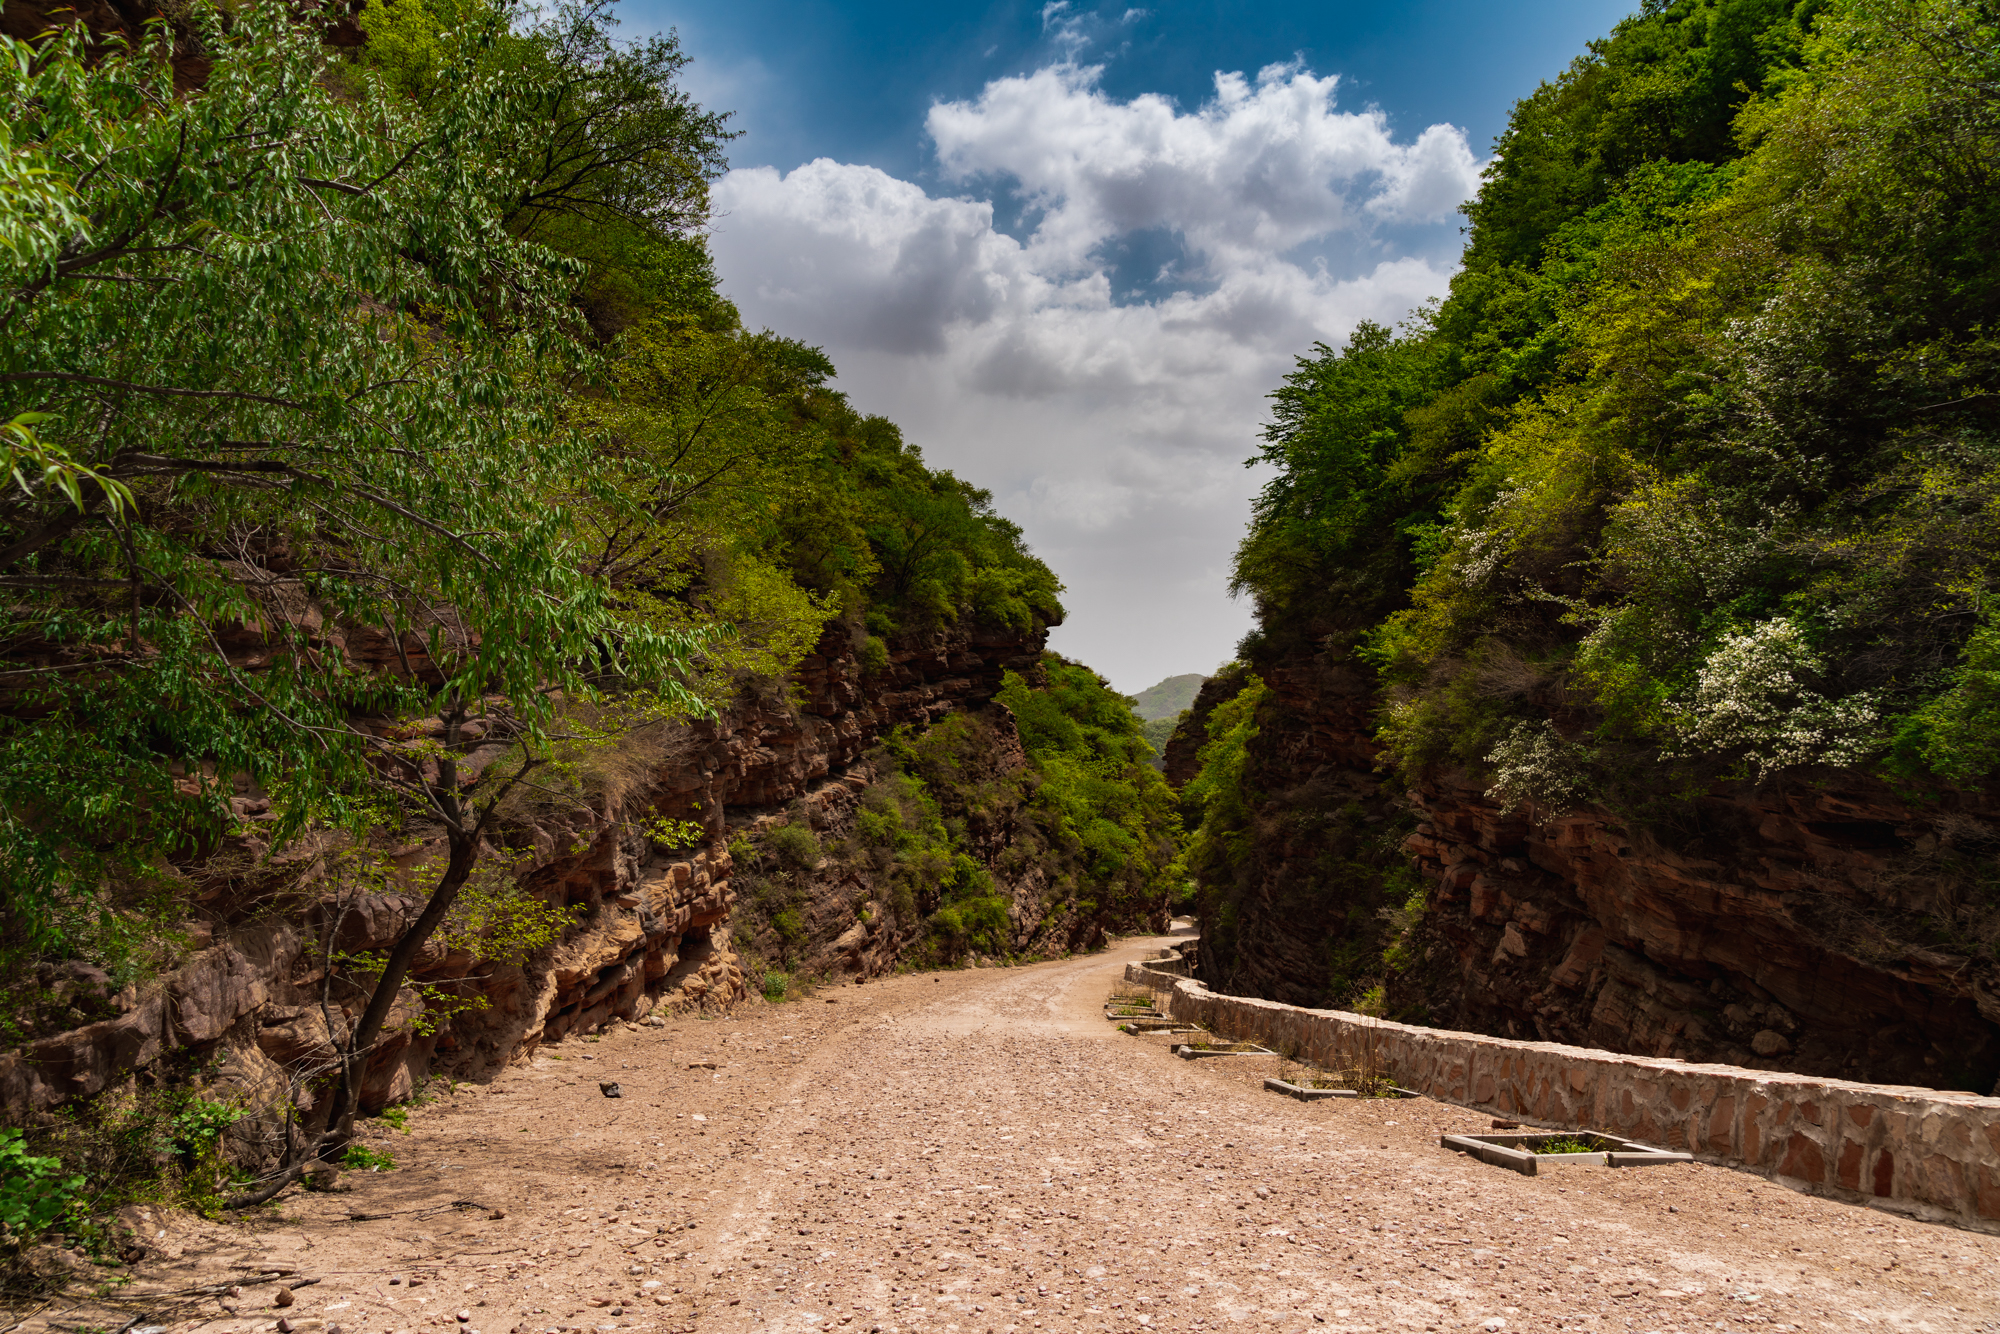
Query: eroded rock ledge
point(652, 925)
point(1810, 930)
point(1826, 927)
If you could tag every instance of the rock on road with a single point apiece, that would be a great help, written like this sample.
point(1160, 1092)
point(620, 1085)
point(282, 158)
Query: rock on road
point(979, 1152)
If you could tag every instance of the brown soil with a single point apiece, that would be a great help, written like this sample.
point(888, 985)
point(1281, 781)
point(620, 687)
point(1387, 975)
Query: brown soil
point(980, 1151)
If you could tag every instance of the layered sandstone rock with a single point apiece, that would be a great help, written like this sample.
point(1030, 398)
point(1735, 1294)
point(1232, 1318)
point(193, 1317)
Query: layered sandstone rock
point(651, 925)
point(1825, 926)
point(1815, 929)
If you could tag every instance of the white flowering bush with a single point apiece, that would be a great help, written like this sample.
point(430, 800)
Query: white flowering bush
point(1535, 765)
point(1749, 698)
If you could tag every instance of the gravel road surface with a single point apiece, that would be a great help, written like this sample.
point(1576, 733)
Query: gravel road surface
point(980, 1152)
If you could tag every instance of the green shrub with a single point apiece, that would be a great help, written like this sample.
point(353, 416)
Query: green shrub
point(978, 925)
point(194, 1130)
point(878, 826)
point(361, 1158)
point(35, 1193)
point(1956, 733)
point(874, 655)
point(795, 847)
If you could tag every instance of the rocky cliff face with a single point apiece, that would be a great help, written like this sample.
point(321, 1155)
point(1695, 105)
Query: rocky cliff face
point(651, 928)
point(1827, 927)
point(1182, 758)
point(1293, 916)
point(853, 876)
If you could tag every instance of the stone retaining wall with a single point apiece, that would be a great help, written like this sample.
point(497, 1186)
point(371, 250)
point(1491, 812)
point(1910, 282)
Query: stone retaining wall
point(1920, 1151)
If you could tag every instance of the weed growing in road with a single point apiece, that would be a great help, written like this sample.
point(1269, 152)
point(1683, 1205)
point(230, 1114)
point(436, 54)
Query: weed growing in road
point(1565, 1144)
point(1360, 1081)
point(361, 1158)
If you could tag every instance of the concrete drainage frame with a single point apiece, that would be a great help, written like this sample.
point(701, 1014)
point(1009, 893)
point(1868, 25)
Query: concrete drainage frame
point(1115, 1014)
point(1189, 1052)
point(1306, 1093)
point(1525, 1154)
point(1932, 1154)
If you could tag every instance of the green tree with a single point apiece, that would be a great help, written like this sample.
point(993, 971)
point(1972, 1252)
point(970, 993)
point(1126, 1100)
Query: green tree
point(1717, 373)
point(287, 398)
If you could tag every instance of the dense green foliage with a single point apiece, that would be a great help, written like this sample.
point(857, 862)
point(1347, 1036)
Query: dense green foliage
point(1104, 806)
point(1221, 794)
point(379, 466)
point(1689, 480)
point(1691, 476)
point(1159, 731)
point(347, 388)
point(281, 349)
point(36, 1191)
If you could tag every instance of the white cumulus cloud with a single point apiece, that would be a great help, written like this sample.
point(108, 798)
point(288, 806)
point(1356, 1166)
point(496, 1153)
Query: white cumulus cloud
point(1259, 169)
point(1112, 428)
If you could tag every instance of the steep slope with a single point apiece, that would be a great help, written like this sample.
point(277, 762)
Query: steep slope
point(498, 626)
point(1803, 928)
point(1626, 668)
point(1029, 828)
point(1160, 707)
point(652, 925)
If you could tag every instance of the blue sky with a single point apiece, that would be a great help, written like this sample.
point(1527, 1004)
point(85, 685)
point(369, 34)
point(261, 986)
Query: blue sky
point(1069, 247)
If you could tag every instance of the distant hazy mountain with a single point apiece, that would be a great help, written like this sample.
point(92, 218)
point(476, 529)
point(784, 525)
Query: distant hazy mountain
point(1169, 697)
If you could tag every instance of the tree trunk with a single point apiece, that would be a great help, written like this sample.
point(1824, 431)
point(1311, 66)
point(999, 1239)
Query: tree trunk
point(464, 846)
point(463, 830)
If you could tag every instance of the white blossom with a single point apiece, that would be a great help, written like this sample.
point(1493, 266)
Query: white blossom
point(1534, 764)
point(1481, 550)
point(1748, 698)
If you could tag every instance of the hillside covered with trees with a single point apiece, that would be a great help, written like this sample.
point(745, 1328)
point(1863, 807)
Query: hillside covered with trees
point(388, 486)
point(1678, 513)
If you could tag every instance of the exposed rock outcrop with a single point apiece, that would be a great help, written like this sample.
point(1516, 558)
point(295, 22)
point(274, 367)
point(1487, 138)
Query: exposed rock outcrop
point(1293, 916)
point(831, 897)
point(1826, 926)
point(1183, 754)
point(1829, 930)
point(651, 924)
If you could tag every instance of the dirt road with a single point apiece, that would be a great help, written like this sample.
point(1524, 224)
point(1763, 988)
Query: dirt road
point(979, 1152)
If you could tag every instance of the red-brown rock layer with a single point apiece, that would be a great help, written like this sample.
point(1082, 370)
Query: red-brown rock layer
point(1821, 929)
point(652, 924)
point(1825, 925)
